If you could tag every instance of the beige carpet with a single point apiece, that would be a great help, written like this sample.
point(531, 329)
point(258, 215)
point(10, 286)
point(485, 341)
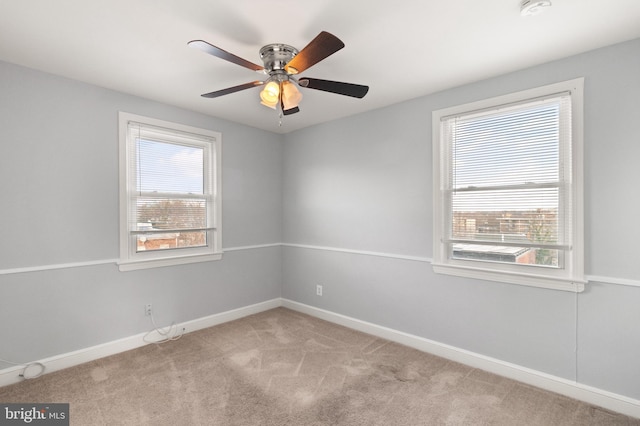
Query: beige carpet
point(285, 368)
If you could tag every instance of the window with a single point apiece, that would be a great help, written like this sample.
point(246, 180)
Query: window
point(508, 188)
point(169, 193)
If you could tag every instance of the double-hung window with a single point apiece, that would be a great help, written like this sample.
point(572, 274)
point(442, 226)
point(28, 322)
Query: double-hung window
point(508, 188)
point(169, 193)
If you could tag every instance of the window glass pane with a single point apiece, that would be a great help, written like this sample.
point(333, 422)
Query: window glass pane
point(172, 213)
point(166, 167)
point(535, 225)
point(510, 148)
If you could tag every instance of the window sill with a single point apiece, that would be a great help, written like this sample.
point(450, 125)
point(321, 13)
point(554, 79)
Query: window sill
point(133, 265)
point(553, 283)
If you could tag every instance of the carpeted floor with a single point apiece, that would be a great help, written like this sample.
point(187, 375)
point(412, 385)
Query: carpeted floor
point(284, 368)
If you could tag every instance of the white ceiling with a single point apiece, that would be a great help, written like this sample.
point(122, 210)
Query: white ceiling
point(402, 49)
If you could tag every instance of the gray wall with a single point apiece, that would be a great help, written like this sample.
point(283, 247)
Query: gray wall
point(59, 205)
point(364, 184)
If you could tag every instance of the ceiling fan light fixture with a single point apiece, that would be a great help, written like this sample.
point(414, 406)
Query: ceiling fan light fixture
point(270, 95)
point(291, 96)
point(533, 7)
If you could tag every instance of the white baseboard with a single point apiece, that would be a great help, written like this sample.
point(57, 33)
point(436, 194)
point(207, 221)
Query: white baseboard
point(11, 375)
point(572, 389)
point(216, 319)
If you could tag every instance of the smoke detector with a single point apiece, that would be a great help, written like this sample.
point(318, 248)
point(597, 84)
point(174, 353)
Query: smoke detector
point(533, 7)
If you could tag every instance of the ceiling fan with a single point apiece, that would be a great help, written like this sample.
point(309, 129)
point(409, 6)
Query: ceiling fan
point(282, 63)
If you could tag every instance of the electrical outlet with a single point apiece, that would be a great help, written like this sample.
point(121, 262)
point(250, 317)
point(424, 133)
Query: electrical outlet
point(319, 290)
point(147, 309)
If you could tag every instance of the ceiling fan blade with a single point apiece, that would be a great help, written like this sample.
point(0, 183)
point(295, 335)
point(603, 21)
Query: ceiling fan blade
point(324, 45)
point(233, 89)
point(223, 54)
point(347, 89)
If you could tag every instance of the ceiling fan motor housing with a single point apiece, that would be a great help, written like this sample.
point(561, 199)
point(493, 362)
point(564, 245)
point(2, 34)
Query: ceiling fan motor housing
point(276, 56)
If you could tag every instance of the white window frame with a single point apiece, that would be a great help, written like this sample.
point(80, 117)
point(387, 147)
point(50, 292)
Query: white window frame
point(211, 142)
point(570, 276)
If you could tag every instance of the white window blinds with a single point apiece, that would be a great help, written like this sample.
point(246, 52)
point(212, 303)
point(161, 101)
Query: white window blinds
point(505, 179)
